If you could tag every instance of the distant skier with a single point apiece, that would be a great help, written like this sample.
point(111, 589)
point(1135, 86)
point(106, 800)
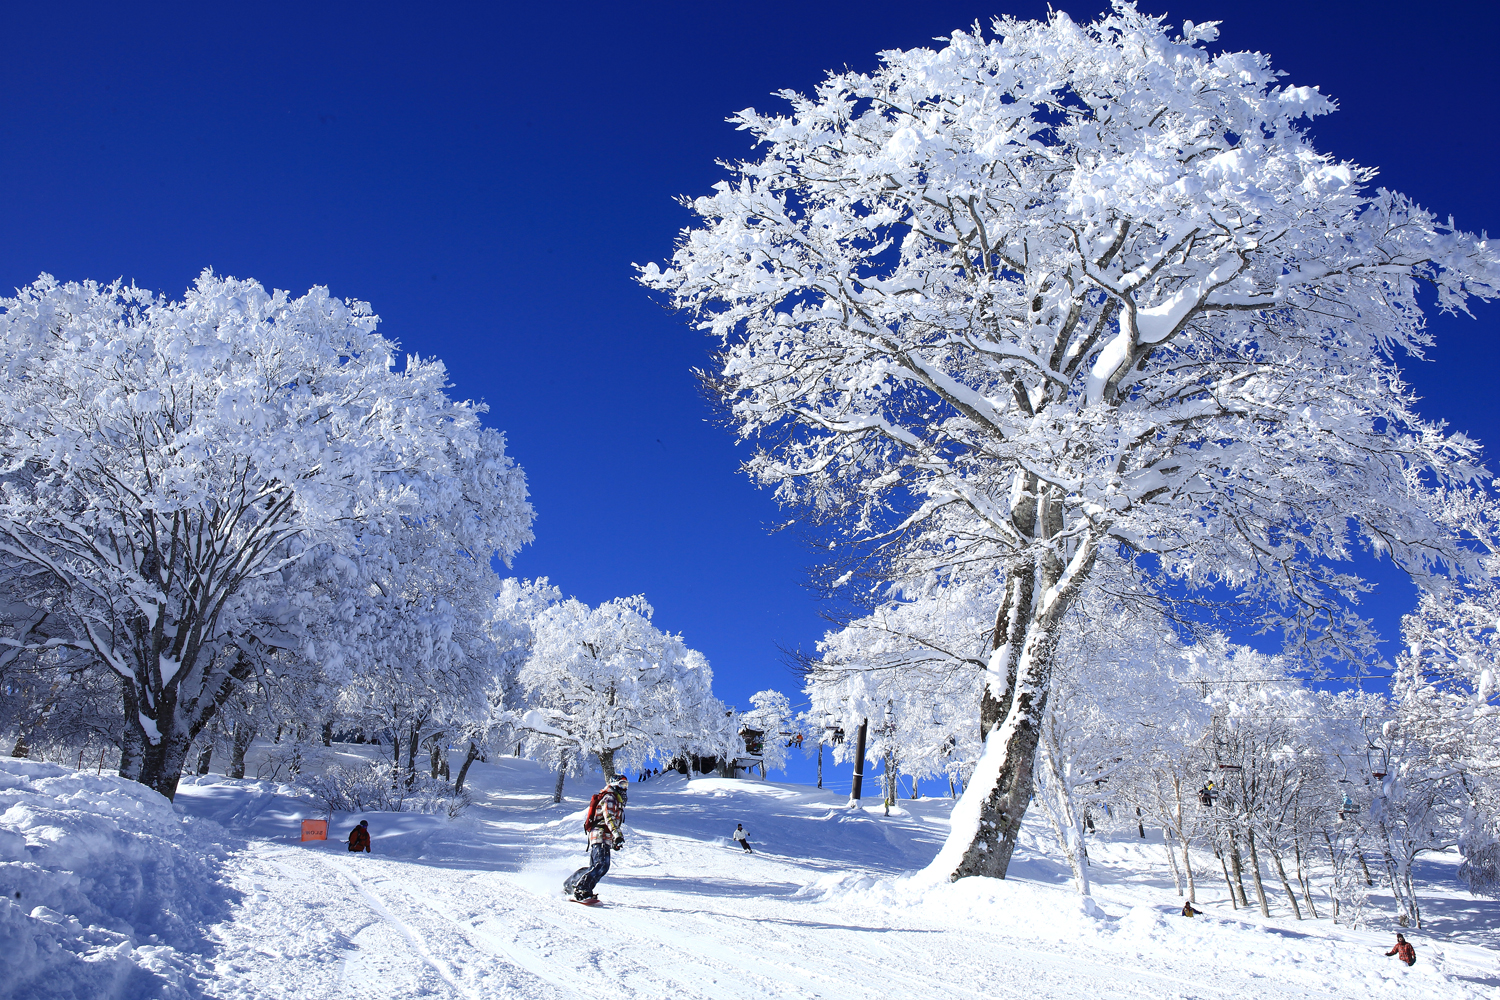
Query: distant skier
point(1403, 951)
point(602, 823)
point(1188, 911)
point(744, 839)
point(359, 837)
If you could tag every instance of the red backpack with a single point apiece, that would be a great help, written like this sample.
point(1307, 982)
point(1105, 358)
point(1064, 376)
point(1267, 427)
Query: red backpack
point(588, 818)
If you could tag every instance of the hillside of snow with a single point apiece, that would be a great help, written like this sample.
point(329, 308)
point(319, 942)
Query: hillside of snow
point(124, 895)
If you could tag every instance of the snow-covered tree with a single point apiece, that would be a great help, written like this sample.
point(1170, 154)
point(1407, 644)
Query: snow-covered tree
point(1448, 703)
point(1076, 303)
point(770, 715)
point(914, 667)
point(182, 483)
point(605, 682)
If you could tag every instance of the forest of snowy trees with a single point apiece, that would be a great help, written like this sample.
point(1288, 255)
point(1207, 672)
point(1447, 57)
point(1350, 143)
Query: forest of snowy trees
point(1057, 339)
point(235, 516)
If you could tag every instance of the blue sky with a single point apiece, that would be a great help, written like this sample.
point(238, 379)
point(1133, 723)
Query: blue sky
point(485, 175)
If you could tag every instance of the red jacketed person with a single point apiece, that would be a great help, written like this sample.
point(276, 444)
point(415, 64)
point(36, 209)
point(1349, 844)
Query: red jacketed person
point(1403, 950)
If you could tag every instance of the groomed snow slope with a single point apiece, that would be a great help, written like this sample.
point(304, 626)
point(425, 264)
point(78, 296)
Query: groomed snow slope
point(472, 908)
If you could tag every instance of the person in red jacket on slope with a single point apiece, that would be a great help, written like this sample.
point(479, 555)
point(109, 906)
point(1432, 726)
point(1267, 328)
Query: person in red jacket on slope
point(359, 837)
point(1403, 951)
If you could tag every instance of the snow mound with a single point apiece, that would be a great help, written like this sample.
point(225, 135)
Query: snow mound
point(104, 889)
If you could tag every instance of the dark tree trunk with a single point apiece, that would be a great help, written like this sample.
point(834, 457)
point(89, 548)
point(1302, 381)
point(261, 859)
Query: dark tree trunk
point(205, 758)
point(328, 732)
point(1260, 887)
point(411, 756)
point(562, 775)
point(1239, 870)
point(859, 763)
point(244, 735)
point(607, 763)
point(463, 771)
point(20, 749)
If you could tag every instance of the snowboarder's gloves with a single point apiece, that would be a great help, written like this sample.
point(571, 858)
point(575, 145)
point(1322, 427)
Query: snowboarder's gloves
point(619, 843)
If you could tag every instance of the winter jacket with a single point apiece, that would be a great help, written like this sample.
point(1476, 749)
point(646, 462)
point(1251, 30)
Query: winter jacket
point(359, 839)
point(739, 833)
point(608, 815)
point(1405, 952)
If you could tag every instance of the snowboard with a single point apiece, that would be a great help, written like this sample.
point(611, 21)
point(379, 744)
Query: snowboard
point(596, 901)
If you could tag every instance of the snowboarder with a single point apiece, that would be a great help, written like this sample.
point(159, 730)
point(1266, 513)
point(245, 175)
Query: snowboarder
point(1207, 794)
point(739, 834)
point(359, 837)
point(1189, 911)
point(602, 824)
point(1403, 951)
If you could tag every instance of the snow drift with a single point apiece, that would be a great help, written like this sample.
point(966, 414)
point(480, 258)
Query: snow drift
point(106, 889)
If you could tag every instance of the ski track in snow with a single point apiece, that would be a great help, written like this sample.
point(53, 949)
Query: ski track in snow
point(473, 909)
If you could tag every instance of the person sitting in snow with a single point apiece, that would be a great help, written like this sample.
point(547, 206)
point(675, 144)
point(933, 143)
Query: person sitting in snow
point(603, 824)
point(359, 837)
point(1403, 951)
point(740, 835)
point(1188, 911)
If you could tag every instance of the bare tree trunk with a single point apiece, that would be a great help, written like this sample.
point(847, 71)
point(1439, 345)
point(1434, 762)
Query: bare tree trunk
point(1281, 871)
point(1187, 864)
point(1172, 860)
point(857, 787)
point(820, 764)
point(463, 771)
point(328, 732)
point(20, 749)
point(205, 757)
point(562, 774)
point(890, 780)
point(1411, 894)
point(1333, 868)
point(411, 755)
point(1304, 881)
point(1364, 867)
point(243, 736)
point(607, 763)
point(1227, 883)
point(1260, 889)
point(132, 740)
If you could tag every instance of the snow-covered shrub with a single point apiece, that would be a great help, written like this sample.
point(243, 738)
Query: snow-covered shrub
point(370, 789)
point(104, 889)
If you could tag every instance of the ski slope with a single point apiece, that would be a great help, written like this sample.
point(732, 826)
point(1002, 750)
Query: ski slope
point(108, 890)
point(472, 908)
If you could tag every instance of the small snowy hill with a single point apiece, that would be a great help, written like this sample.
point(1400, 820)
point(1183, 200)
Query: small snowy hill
point(826, 907)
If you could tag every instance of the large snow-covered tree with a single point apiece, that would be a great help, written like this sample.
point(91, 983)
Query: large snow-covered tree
point(188, 486)
point(1075, 303)
point(606, 682)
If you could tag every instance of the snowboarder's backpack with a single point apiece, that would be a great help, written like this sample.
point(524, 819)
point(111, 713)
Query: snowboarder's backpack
point(589, 818)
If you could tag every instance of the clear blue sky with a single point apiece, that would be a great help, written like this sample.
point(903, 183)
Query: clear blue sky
point(485, 174)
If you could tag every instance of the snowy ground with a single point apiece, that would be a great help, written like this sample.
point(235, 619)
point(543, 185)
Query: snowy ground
point(472, 908)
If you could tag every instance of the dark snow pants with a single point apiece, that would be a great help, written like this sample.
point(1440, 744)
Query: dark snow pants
point(598, 868)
